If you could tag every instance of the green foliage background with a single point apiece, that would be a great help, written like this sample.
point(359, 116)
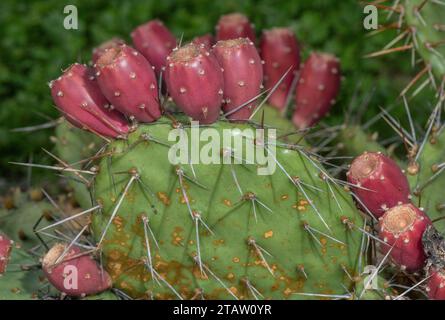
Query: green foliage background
point(34, 47)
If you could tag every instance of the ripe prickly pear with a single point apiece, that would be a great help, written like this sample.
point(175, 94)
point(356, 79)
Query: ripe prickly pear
point(155, 42)
point(5, 251)
point(112, 43)
point(317, 89)
point(76, 274)
point(280, 52)
point(436, 284)
point(78, 96)
point(128, 81)
point(195, 82)
point(401, 228)
point(206, 40)
point(233, 26)
point(243, 76)
point(378, 183)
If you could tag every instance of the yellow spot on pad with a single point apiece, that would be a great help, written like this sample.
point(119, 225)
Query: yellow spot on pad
point(268, 234)
point(164, 198)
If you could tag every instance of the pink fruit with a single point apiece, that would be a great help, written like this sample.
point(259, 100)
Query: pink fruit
point(234, 26)
point(76, 274)
point(402, 227)
point(379, 184)
point(5, 251)
point(112, 43)
point(79, 98)
point(436, 284)
point(155, 42)
point(195, 82)
point(317, 88)
point(206, 40)
point(280, 52)
point(128, 81)
point(243, 76)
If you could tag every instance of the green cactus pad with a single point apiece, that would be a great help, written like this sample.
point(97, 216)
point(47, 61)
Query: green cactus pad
point(74, 145)
point(428, 182)
point(429, 40)
point(353, 141)
point(18, 222)
point(252, 239)
point(22, 279)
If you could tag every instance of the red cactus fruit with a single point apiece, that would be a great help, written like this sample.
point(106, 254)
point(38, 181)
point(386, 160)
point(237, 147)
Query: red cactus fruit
point(402, 227)
point(280, 52)
point(234, 26)
point(155, 42)
point(76, 274)
point(195, 82)
point(77, 95)
point(436, 284)
point(128, 81)
point(206, 40)
point(317, 88)
point(113, 42)
point(243, 75)
point(379, 184)
point(5, 251)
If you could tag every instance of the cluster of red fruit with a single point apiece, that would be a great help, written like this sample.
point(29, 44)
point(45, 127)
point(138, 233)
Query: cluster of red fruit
point(381, 189)
point(205, 78)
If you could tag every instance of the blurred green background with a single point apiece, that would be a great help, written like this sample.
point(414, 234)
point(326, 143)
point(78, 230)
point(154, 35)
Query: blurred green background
point(34, 47)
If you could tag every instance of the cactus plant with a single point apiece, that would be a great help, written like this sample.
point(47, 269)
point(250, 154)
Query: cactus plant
point(5, 251)
point(18, 222)
point(205, 40)
point(378, 183)
point(224, 232)
point(401, 229)
point(22, 280)
point(127, 80)
point(73, 272)
point(436, 285)
point(243, 76)
point(167, 226)
point(195, 82)
point(317, 89)
point(233, 26)
point(78, 148)
point(77, 95)
point(112, 43)
point(281, 53)
point(155, 42)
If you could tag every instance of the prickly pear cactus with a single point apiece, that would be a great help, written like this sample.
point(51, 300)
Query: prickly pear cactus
point(422, 21)
point(222, 231)
point(425, 18)
point(353, 141)
point(23, 279)
point(427, 177)
point(420, 36)
point(74, 145)
point(18, 222)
